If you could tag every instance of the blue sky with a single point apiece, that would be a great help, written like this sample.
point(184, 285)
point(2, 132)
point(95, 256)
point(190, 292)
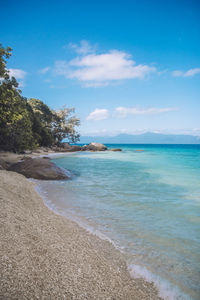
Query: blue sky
point(126, 66)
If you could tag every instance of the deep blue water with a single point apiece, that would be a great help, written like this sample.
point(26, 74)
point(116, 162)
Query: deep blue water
point(147, 202)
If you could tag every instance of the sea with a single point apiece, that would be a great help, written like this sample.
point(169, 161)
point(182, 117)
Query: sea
point(146, 201)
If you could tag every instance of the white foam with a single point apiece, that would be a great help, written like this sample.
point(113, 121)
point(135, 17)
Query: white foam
point(166, 290)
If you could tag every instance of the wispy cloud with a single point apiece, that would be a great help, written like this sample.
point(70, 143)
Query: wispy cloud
point(44, 70)
point(84, 48)
point(125, 111)
point(61, 68)
point(17, 73)
point(122, 112)
point(188, 73)
point(98, 114)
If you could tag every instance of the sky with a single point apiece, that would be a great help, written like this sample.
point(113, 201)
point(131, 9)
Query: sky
point(126, 66)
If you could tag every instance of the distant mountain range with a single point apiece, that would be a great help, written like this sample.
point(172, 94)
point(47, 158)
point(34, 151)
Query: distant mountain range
point(145, 138)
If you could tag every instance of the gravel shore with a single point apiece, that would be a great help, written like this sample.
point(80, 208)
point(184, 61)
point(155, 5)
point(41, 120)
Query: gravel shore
point(46, 256)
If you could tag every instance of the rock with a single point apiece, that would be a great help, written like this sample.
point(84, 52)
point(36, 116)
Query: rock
point(58, 149)
point(39, 168)
point(3, 164)
point(66, 146)
point(84, 148)
point(69, 148)
point(37, 151)
point(55, 148)
point(96, 147)
point(75, 148)
point(27, 152)
point(116, 149)
point(26, 158)
point(44, 149)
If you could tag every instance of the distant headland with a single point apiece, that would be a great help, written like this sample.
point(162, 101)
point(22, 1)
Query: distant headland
point(145, 138)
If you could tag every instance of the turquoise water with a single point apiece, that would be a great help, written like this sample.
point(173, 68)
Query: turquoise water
point(146, 202)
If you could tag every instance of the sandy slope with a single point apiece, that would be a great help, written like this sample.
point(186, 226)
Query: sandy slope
point(45, 256)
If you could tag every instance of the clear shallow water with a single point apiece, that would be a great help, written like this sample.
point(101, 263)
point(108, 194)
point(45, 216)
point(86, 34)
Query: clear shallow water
point(147, 202)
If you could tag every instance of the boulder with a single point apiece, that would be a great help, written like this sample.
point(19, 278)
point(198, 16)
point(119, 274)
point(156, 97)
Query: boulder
point(3, 164)
point(37, 151)
point(84, 148)
point(26, 158)
point(116, 149)
point(66, 146)
point(57, 149)
point(26, 152)
point(39, 168)
point(75, 148)
point(96, 147)
point(44, 149)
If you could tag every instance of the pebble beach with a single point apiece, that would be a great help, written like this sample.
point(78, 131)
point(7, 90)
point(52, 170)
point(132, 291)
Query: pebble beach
point(46, 256)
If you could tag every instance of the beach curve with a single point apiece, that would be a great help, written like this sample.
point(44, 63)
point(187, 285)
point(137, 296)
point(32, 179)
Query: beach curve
point(46, 256)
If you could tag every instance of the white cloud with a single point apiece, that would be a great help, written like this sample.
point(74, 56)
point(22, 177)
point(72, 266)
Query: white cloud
point(188, 73)
point(17, 73)
point(95, 70)
point(84, 48)
point(125, 111)
point(44, 70)
point(98, 114)
point(111, 66)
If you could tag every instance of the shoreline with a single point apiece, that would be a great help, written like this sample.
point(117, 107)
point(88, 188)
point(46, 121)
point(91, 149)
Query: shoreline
point(63, 259)
point(166, 290)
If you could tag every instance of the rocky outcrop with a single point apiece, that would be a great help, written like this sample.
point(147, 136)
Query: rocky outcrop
point(75, 148)
point(84, 148)
point(115, 149)
point(65, 147)
point(39, 168)
point(96, 147)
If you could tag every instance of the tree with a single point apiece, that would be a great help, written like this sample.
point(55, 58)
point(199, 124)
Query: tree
point(26, 124)
point(64, 125)
point(15, 124)
point(4, 55)
point(42, 118)
point(50, 126)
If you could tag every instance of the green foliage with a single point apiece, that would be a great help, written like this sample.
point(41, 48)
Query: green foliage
point(15, 123)
point(25, 124)
point(4, 55)
point(42, 118)
point(64, 125)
